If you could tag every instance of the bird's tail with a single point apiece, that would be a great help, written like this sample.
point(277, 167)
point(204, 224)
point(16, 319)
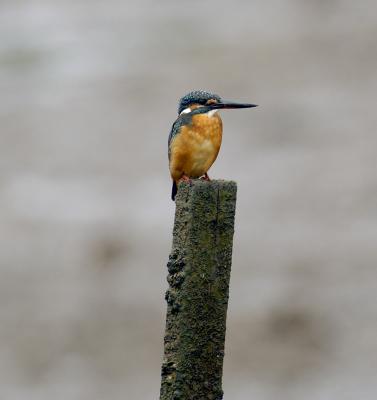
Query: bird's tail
point(173, 190)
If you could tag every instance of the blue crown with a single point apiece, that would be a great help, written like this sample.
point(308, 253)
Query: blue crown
point(197, 97)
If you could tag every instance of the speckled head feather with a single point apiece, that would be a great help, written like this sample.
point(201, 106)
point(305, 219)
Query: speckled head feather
point(196, 97)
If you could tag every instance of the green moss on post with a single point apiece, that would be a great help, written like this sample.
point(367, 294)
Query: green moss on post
point(199, 272)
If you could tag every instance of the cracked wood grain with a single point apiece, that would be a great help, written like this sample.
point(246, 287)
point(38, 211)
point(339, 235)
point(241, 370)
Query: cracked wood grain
point(199, 271)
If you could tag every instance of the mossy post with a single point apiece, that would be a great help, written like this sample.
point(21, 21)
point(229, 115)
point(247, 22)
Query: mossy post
point(199, 272)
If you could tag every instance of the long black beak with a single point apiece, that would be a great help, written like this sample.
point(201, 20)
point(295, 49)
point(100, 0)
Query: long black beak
point(231, 104)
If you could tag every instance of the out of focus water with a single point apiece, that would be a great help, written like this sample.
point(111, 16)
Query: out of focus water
point(89, 91)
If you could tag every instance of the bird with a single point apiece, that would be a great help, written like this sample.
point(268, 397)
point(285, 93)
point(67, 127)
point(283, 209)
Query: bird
point(195, 137)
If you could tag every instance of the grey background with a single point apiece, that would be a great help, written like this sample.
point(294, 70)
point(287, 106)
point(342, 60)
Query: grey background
point(89, 91)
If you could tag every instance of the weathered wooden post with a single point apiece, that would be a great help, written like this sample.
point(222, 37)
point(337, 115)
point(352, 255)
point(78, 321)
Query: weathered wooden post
point(199, 272)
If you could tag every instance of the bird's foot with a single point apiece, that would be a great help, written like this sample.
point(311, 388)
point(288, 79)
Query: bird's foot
point(185, 178)
point(205, 177)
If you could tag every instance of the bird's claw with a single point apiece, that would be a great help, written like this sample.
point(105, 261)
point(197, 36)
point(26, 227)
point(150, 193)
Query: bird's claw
point(205, 177)
point(185, 178)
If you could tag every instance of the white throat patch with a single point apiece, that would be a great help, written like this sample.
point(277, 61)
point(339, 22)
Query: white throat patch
point(211, 113)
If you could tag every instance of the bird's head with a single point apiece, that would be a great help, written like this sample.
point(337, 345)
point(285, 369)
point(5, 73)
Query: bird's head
point(207, 101)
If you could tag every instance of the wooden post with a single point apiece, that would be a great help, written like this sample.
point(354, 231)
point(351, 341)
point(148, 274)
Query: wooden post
point(199, 272)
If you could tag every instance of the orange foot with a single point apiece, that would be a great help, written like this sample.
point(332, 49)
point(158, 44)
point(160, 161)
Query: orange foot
point(185, 178)
point(205, 177)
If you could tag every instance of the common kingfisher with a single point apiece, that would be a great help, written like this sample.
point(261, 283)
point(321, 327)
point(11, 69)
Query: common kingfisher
point(195, 137)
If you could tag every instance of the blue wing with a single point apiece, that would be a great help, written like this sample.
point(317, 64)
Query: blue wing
point(183, 119)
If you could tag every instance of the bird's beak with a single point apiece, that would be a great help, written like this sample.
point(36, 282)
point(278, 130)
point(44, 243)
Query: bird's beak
point(230, 104)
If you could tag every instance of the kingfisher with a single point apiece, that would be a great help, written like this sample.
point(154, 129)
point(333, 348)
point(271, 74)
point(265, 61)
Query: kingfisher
point(195, 137)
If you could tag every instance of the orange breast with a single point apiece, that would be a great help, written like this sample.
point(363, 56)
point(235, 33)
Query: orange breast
point(196, 147)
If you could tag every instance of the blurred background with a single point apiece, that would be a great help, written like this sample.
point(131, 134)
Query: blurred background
point(89, 91)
